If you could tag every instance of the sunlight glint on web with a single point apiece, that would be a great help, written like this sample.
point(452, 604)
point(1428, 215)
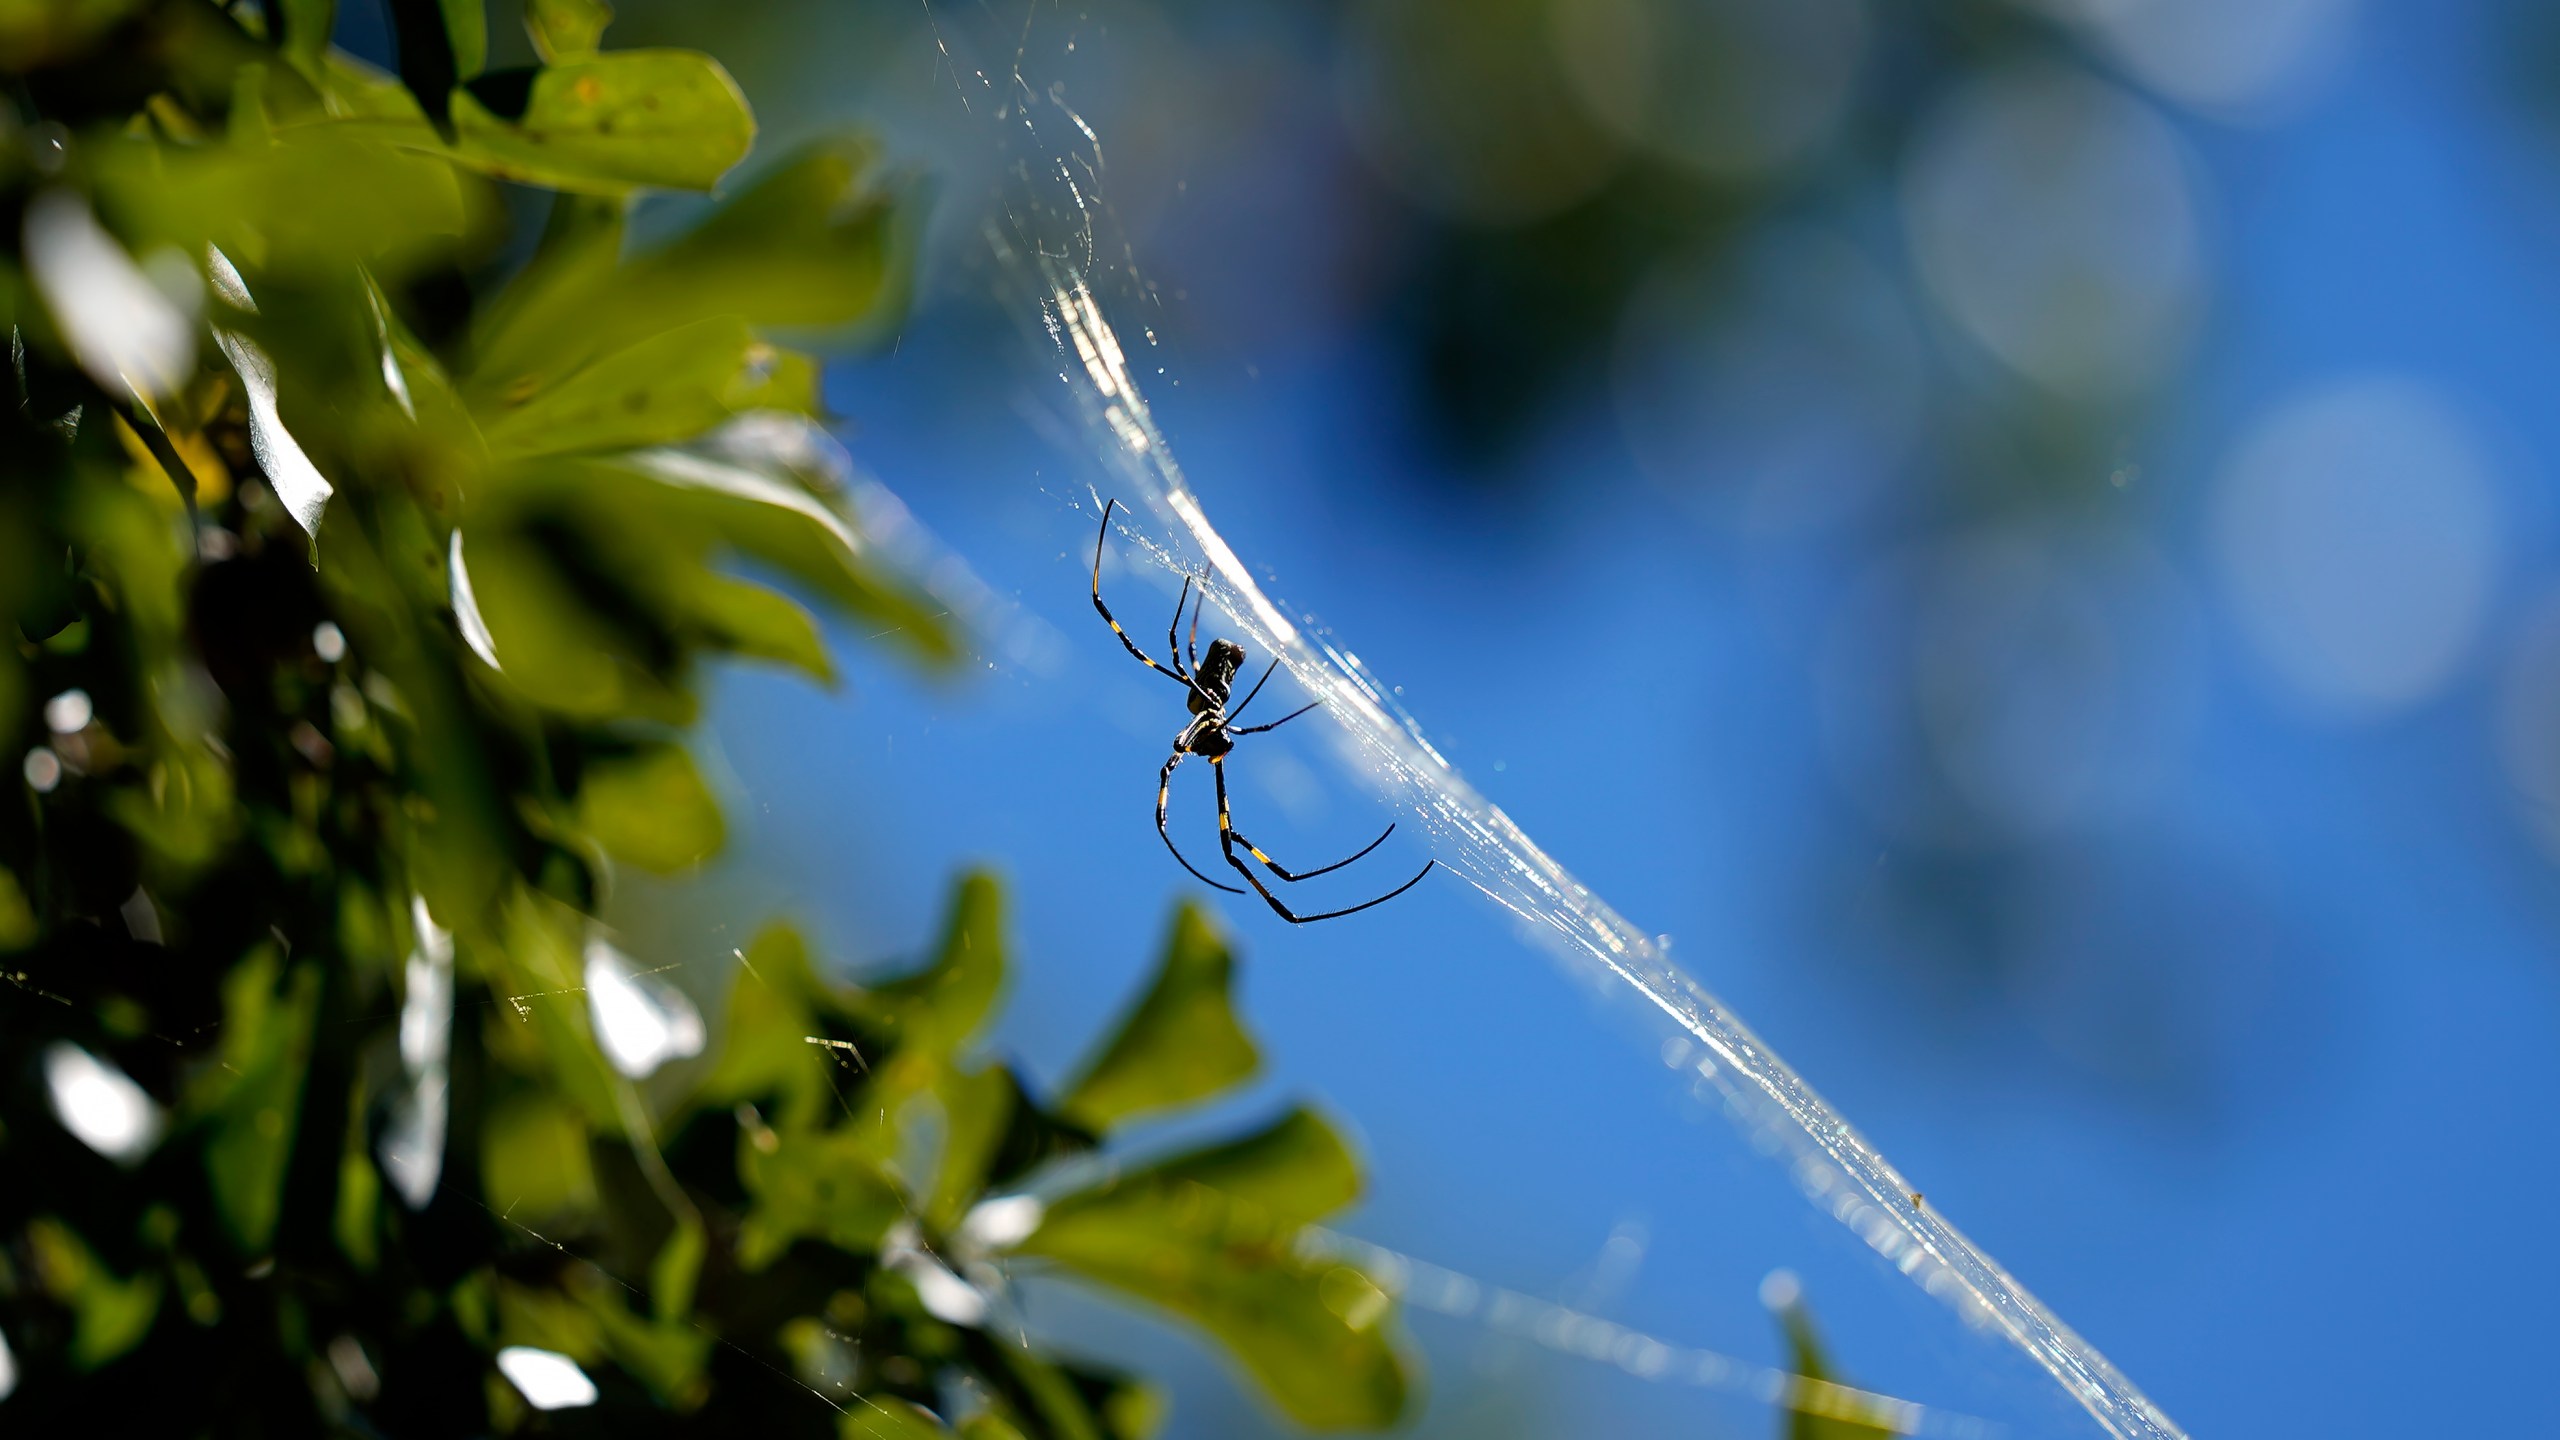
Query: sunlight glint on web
point(1830, 1162)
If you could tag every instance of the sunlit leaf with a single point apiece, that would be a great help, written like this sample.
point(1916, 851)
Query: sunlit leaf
point(566, 29)
point(395, 210)
point(811, 247)
point(774, 1003)
point(1816, 1408)
point(670, 119)
point(650, 808)
point(977, 1109)
point(668, 388)
point(1181, 1043)
point(815, 1185)
point(935, 1010)
point(1210, 1236)
point(466, 23)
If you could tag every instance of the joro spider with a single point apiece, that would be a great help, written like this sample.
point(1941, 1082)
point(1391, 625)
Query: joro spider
point(1211, 735)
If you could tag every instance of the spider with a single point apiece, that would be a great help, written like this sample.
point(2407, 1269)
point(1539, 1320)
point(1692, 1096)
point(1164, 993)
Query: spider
point(1211, 735)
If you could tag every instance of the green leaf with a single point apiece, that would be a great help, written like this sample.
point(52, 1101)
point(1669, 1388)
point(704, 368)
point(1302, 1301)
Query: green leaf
point(651, 809)
point(1075, 1402)
point(1181, 1043)
point(1817, 1408)
point(773, 518)
point(678, 1266)
point(609, 124)
point(810, 248)
point(571, 636)
point(566, 29)
point(252, 1098)
point(826, 1185)
point(533, 1160)
point(750, 620)
point(977, 1109)
point(306, 33)
point(935, 1011)
point(394, 210)
point(667, 388)
point(110, 1314)
point(1210, 1236)
point(773, 1007)
point(466, 25)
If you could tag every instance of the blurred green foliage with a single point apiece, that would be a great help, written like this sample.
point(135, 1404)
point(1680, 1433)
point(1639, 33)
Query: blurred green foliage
point(363, 561)
point(1819, 1404)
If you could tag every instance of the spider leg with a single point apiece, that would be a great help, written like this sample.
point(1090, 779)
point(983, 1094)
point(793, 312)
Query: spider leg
point(1276, 724)
point(1173, 633)
point(1104, 611)
point(1227, 843)
point(1164, 787)
point(1256, 690)
point(1285, 873)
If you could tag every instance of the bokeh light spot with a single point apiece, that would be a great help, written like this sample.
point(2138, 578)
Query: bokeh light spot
point(2356, 530)
point(2054, 219)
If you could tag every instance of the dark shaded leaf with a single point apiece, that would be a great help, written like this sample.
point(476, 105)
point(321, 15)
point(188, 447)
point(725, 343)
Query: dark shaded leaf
point(252, 1099)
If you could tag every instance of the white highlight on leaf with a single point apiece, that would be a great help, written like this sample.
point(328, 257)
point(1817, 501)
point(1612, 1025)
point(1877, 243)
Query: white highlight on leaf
point(686, 470)
point(68, 713)
point(945, 1296)
point(100, 1105)
point(547, 1379)
point(128, 333)
point(394, 379)
point(1003, 1222)
point(226, 280)
point(779, 442)
point(296, 481)
point(466, 609)
point(354, 1369)
point(8, 1369)
point(412, 1150)
point(641, 1022)
point(141, 917)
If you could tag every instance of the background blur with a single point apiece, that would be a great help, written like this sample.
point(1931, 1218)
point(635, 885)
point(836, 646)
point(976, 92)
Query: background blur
point(2020, 534)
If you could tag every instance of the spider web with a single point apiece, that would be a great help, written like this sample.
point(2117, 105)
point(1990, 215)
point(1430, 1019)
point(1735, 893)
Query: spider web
point(1048, 242)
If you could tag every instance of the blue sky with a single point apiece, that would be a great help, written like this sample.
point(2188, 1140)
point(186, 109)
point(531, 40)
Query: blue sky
point(2244, 1071)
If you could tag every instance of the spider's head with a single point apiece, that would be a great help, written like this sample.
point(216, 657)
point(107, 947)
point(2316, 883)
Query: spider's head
point(1218, 668)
